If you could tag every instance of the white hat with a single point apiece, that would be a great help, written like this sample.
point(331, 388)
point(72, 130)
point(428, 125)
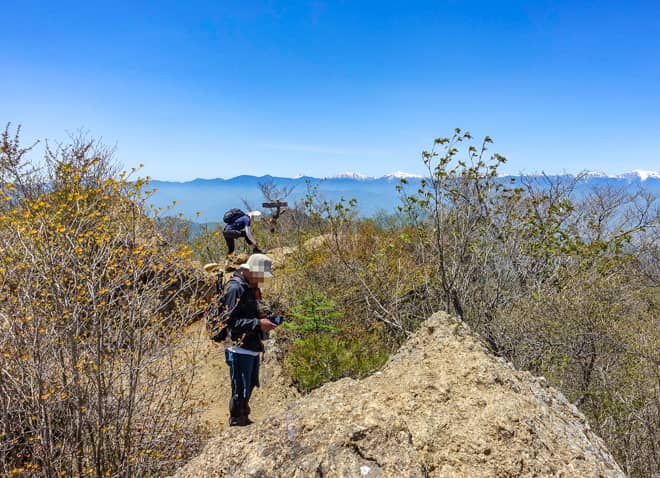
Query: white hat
point(254, 214)
point(212, 267)
point(259, 264)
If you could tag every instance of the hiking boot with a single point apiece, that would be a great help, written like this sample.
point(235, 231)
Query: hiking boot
point(241, 421)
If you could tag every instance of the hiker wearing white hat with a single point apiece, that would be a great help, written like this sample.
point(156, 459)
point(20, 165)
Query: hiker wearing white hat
point(259, 266)
point(238, 224)
point(246, 326)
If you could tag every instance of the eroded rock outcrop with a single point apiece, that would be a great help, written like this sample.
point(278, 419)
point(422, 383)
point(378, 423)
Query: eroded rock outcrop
point(441, 407)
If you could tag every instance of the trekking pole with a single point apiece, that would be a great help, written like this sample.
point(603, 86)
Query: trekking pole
point(220, 276)
point(218, 282)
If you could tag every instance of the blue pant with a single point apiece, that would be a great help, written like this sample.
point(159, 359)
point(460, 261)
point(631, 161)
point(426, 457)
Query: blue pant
point(244, 375)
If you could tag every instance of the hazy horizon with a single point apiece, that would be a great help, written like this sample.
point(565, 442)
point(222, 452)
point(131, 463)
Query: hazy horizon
point(643, 174)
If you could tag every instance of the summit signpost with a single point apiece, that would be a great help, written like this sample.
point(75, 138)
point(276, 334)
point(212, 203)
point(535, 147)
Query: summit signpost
point(277, 208)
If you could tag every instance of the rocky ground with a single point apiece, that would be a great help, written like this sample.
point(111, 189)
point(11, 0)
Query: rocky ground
point(441, 407)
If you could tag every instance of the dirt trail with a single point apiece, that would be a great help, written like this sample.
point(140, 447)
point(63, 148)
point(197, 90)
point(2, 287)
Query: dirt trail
point(211, 385)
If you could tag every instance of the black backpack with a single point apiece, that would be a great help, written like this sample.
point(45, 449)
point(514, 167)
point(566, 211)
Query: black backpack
point(217, 314)
point(233, 214)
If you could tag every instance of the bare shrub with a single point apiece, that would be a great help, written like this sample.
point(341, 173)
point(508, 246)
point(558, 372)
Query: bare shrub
point(562, 286)
point(90, 306)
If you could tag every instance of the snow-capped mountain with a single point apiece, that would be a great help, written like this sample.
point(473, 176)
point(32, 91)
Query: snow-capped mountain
point(362, 177)
point(351, 175)
point(211, 197)
point(401, 175)
point(634, 175)
point(596, 174)
point(640, 174)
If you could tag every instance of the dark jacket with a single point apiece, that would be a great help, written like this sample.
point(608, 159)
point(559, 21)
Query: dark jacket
point(239, 224)
point(240, 300)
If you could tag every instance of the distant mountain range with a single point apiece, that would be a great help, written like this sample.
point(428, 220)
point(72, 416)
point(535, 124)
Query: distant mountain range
point(211, 197)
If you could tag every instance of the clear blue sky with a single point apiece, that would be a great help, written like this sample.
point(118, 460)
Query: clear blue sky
point(222, 88)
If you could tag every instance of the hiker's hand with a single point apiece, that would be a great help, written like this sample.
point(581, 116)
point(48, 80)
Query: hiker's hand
point(266, 325)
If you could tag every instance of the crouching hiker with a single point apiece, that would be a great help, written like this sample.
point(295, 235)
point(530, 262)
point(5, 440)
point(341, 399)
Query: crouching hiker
point(245, 329)
point(238, 224)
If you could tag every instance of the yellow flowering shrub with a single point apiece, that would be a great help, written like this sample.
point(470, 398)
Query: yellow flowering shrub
point(91, 300)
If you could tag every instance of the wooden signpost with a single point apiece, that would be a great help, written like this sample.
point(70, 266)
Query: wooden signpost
point(279, 207)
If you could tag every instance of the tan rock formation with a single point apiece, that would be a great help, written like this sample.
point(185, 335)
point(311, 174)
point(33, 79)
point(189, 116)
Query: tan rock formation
point(441, 407)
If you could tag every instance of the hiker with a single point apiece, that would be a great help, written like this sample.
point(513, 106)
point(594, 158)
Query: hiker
point(238, 225)
point(246, 327)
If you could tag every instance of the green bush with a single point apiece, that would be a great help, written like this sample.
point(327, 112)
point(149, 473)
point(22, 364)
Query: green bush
point(315, 313)
point(319, 354)
point(321, 358)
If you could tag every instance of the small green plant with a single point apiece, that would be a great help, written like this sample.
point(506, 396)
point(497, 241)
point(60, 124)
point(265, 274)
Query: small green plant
point(321, 358)
point(316, 314)
point(319, 355)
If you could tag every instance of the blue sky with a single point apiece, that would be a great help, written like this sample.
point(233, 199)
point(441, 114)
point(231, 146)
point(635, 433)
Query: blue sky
point(218, 88)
